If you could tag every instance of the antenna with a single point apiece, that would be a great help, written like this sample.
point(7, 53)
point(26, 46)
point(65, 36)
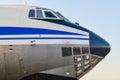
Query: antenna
point(25, 2)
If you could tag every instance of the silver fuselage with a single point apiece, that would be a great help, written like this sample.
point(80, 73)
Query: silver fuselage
point(25, 53)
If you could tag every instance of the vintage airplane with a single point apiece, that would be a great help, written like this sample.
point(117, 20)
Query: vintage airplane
point(40, 44)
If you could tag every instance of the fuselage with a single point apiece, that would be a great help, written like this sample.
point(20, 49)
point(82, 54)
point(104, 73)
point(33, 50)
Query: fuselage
point(35, 40)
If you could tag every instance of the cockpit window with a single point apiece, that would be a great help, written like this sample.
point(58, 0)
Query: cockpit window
point(32, 13)
point(62, 17)
point(43, 13)
point(48, 14)
point(39, 13)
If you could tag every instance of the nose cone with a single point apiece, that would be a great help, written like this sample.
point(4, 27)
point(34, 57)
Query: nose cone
point(98, 46)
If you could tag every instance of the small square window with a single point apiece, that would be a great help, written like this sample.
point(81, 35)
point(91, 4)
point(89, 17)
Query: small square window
point(49, 14)
point(85, 50)
point(39, 14)
point(32, 13)
point(66, 51)
point(76, 51)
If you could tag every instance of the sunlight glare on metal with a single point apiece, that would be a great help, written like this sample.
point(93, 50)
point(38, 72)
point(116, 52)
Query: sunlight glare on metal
point(25, 2)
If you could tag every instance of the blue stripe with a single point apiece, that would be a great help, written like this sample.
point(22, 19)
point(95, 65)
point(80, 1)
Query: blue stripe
point(43, 38)
point(23, 30)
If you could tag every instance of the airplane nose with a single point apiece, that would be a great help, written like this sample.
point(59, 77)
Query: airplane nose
point(98, 46)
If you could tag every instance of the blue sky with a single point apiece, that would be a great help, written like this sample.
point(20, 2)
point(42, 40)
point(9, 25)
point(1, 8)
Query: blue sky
point(100, 16)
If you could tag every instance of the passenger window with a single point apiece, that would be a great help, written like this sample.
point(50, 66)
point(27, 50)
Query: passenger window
point(49, 14)
point(76, 51)
point(85, 50)
point(32, 13)
point(66, 51)
point(39, 14)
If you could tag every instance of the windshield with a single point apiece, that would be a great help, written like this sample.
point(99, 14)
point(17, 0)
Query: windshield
point(62, 17)
point(43, 13)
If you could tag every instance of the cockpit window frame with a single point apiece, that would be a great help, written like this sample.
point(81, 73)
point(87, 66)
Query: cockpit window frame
point(56, 17)
point(32, 13)
point(41, 15)
point(43, 10)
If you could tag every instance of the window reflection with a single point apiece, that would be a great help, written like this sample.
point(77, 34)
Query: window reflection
point(66, 51)
point(76, 51)
point(85, 50)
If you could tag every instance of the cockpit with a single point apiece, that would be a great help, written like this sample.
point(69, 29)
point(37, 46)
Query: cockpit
point(43, 13)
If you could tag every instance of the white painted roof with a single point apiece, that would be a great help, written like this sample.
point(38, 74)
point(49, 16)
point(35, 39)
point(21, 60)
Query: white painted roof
point(19, 6)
